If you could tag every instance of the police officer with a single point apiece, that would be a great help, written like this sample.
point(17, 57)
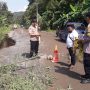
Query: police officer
point(34, 38)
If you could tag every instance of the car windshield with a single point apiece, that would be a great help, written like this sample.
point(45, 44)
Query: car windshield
point(79, 26)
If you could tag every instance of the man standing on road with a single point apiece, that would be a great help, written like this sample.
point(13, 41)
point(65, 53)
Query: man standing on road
point(86, 57)
point(72, 35)
point(34, 38)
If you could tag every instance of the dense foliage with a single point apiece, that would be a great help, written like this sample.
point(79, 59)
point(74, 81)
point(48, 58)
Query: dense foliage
point(6, 18)
point(53, 13)
point(3, 31)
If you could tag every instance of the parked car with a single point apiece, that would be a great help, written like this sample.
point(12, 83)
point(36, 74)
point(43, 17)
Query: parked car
point(79, 27)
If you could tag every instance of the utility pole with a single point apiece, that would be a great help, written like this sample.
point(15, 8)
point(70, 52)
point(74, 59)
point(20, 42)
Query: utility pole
point(37, 10)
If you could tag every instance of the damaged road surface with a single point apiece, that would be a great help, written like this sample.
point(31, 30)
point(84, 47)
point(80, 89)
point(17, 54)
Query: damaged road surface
point(59, 71)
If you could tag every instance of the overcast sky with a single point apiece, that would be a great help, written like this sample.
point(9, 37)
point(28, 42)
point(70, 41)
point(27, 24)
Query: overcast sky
point(16, 5)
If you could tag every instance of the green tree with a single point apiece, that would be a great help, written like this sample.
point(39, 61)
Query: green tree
point(5, 15)
point(4, 7)
point(55, 13)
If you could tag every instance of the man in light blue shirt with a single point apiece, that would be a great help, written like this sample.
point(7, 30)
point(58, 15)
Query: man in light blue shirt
point(72, 35)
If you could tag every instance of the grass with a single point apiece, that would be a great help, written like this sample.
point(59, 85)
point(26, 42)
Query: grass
point(11, 80)
point(4, 30)
point(50, 30)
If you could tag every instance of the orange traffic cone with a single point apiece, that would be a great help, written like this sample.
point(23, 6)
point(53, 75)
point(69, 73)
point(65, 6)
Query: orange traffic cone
point(55, 58)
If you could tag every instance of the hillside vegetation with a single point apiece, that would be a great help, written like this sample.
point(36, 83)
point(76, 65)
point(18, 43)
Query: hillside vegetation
point(17, 16)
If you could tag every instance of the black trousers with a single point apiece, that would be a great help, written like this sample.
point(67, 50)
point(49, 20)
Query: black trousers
point(87, 64)
point(72, 55)
point(34, 47)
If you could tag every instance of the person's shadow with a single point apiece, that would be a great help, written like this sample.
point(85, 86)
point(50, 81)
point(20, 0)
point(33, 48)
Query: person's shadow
point(60, 40)
point(63, 64)
point(26, 55)
point(66, 71)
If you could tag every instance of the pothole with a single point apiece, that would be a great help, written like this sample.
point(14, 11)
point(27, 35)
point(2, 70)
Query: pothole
point(7, 42)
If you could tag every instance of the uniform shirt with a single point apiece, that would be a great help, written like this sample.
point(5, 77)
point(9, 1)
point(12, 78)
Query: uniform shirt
point(33, 31)
point(70, 38)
